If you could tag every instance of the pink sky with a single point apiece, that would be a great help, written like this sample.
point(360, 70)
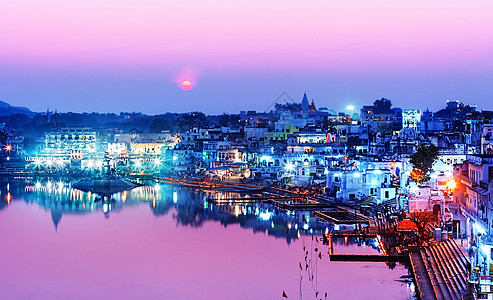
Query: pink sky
point(327, 44)
point(241, 33)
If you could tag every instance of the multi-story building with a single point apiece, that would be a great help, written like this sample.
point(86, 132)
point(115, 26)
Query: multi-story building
point(71, 138)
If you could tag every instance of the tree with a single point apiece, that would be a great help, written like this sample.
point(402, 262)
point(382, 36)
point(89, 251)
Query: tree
point(418, 176)
point(3, 137)
point(423, 160)
point(382, 106)
point(159, 124)
point(227, 120)
point(293, 107)
point(421, 219)
point(187, 121)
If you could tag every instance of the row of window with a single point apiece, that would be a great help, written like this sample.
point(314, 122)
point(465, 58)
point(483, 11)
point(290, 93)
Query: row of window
point(72, 137)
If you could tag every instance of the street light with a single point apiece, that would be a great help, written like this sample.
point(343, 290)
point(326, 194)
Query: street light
point(451, 184)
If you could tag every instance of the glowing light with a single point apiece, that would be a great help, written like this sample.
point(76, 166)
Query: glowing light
point(60, 185)
point(265, 157)
point(90, 164)
point(451, 184)
point(350, 107)
point(265, 216)
point(186, 85)
point(374, 182)
point(9, 198)
point(479, 228)
point(138, 164)
point(99, 164)
point(357, 175)
point(305, 163)
point(486, 249)
point(38, 185)
point(175, 157)
point(175, 197)
point(289, 167)
point(157, 161)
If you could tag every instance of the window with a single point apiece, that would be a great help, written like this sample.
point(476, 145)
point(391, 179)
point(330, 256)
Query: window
point(386, 194)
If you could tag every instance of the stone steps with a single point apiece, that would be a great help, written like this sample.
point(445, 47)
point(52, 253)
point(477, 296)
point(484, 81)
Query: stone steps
point(446, 266)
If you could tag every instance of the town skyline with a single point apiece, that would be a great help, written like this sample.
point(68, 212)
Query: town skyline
point(283, 98)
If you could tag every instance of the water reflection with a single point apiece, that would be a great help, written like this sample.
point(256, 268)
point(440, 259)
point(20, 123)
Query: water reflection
point(156, 251)
point(189, 207)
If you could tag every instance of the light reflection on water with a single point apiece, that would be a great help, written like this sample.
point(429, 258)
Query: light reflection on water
point(190, 249)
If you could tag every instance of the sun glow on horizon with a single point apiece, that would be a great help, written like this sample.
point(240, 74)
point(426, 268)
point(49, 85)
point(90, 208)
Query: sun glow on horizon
point(186, 85)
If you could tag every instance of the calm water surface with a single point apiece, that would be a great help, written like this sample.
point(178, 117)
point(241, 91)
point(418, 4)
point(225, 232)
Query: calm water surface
point(162, 242)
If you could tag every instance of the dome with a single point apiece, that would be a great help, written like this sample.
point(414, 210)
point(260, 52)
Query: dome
point(408, 134)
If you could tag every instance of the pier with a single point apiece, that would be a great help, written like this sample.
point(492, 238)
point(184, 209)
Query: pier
point(342, 216)
point(384, 257)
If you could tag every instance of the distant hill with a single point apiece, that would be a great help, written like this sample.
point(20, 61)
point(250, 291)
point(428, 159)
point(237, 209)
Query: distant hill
point(7, 109)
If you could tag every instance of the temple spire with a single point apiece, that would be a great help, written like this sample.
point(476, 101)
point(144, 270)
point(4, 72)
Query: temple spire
point(305, 106)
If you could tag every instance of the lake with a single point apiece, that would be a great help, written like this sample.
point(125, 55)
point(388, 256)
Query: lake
point(166, 242)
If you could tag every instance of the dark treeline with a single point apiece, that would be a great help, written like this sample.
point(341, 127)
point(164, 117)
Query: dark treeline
point(133, 122)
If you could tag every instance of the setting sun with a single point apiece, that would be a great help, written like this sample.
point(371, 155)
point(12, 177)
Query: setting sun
point(186, 85)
